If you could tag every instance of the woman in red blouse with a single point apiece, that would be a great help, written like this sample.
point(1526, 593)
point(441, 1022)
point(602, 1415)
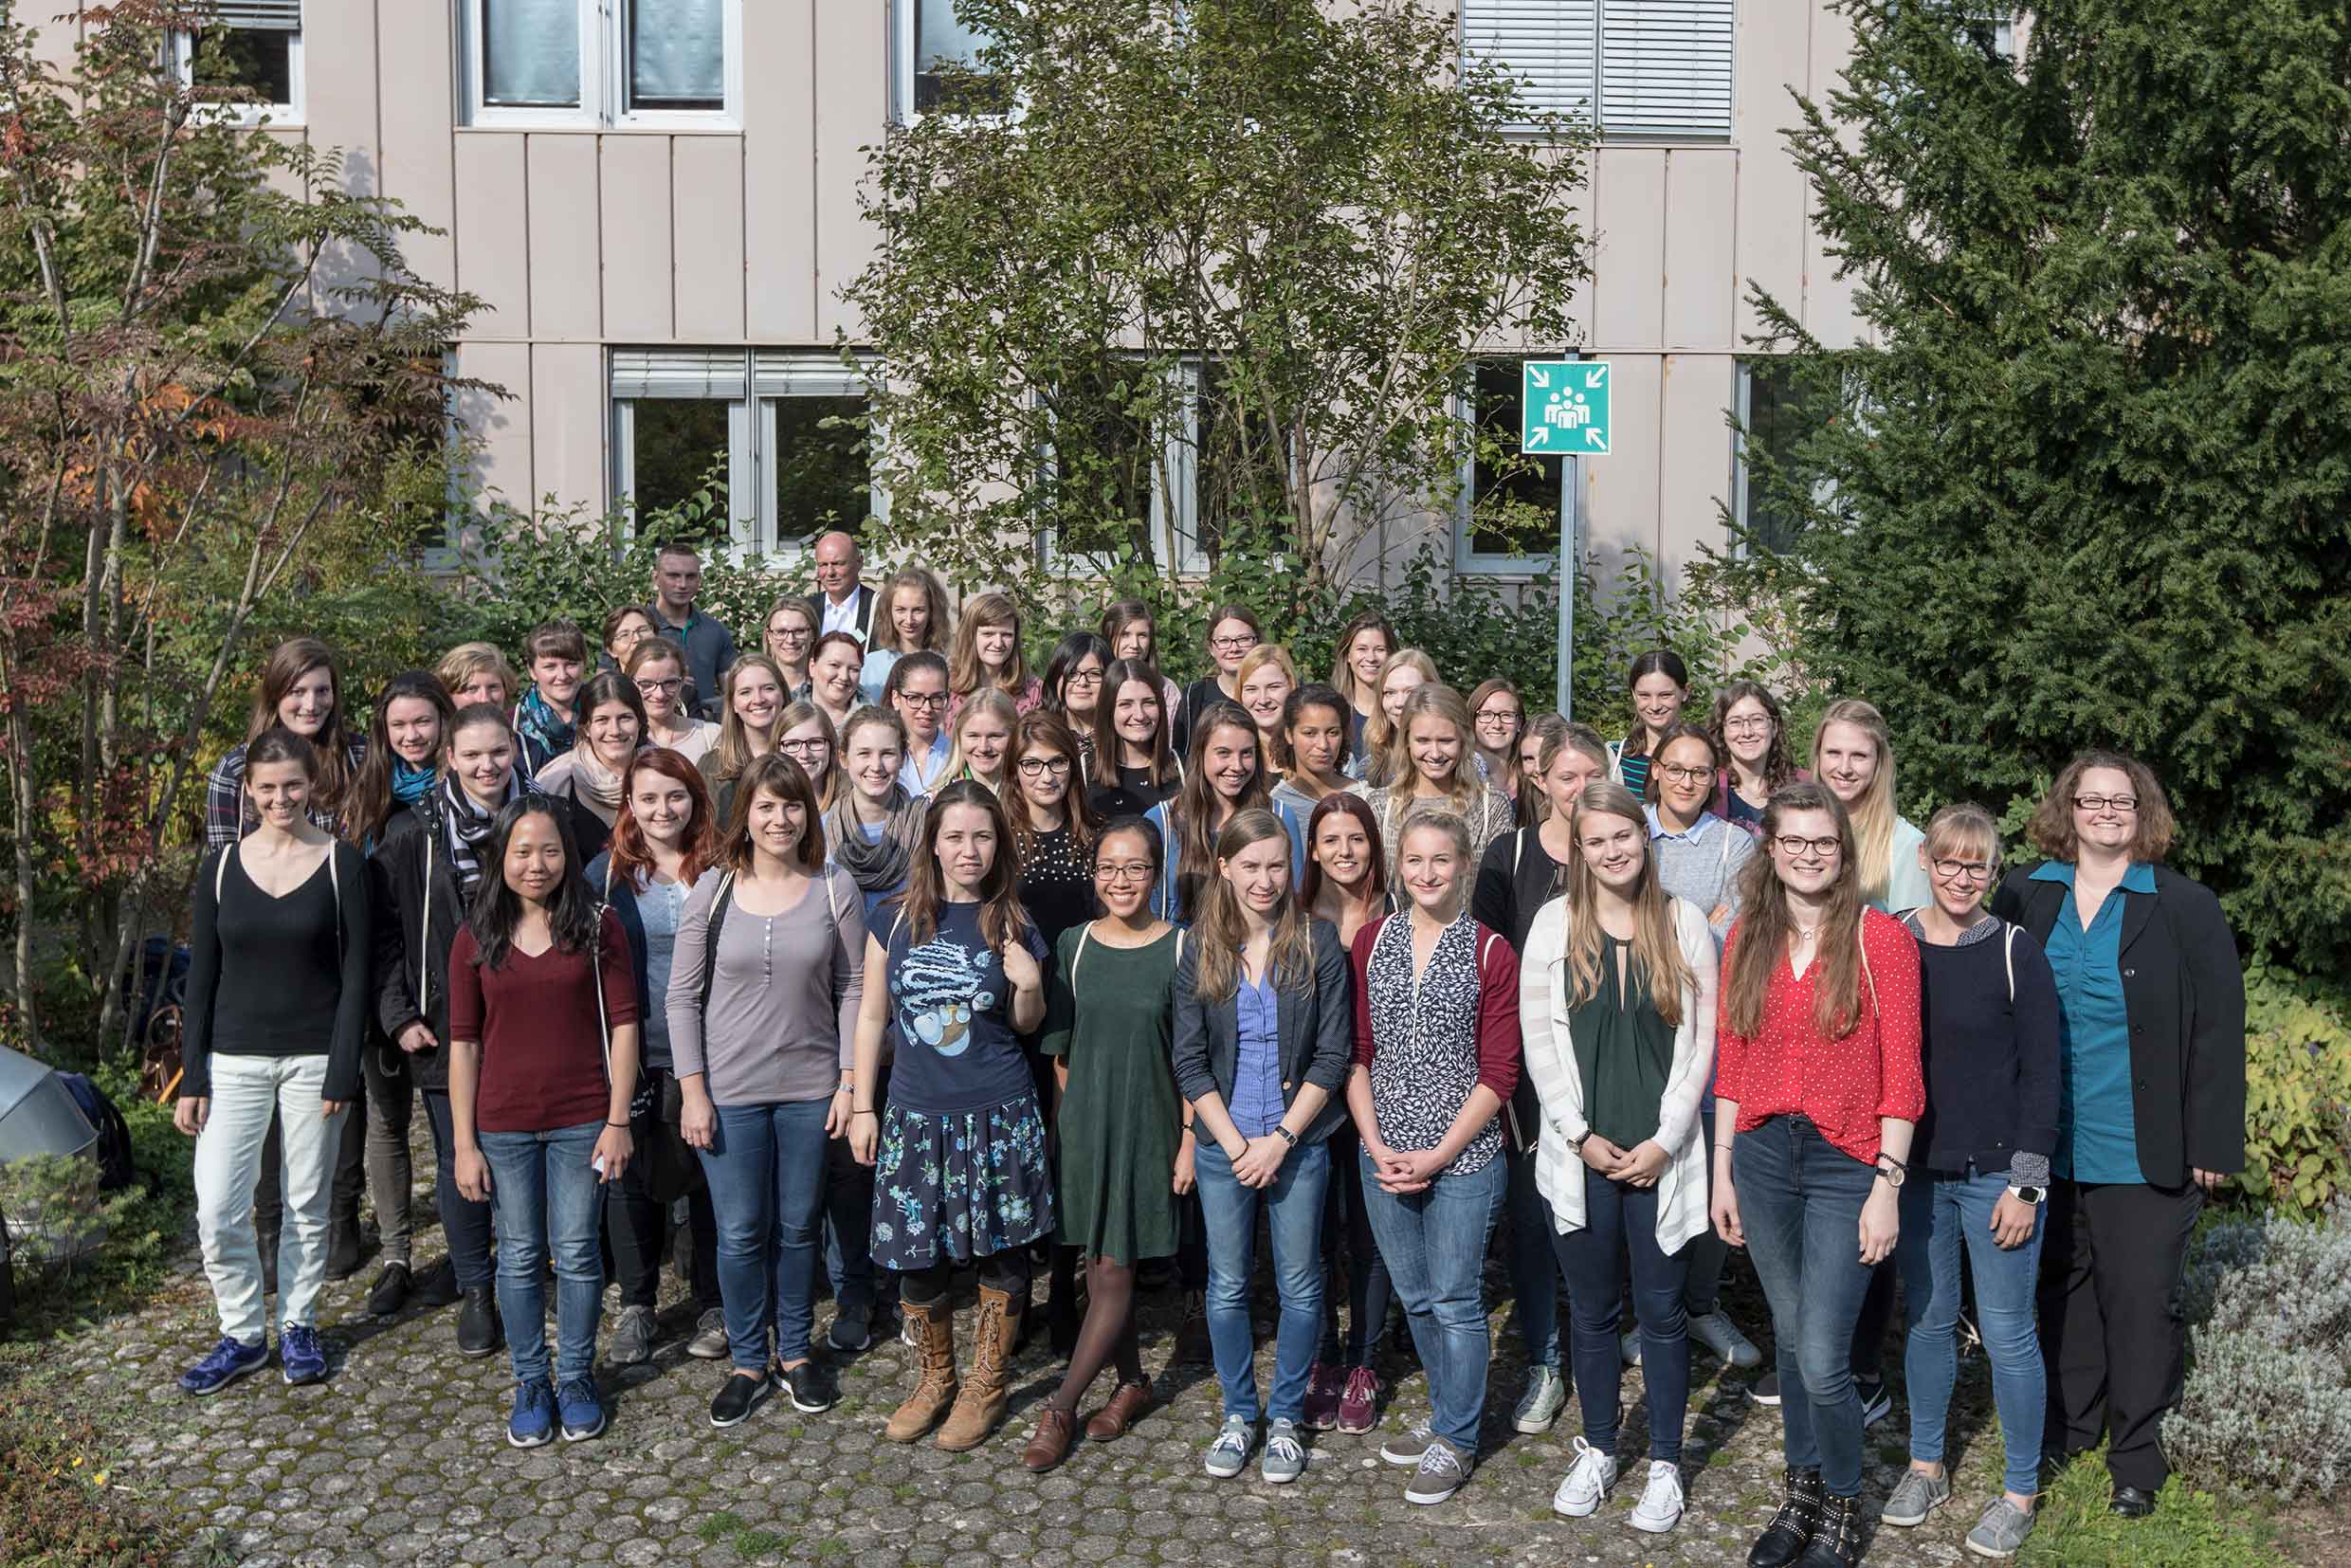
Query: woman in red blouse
point(1817, 1070)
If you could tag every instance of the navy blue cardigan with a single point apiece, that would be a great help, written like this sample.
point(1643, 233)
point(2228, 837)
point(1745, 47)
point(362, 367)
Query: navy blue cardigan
point(1991, 1062)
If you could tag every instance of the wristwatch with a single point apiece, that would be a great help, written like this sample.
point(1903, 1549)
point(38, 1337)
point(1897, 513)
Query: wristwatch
point(1286, 1135)
point(1576, 1144)
point(2031, 1195)
point(1892, 1170)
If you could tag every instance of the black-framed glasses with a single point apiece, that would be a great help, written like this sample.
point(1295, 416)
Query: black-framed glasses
point(648, 688)
point(1131, 871)
point(1963, 870)
point(1792, 844)
point(923, 699)
point(2093, 803)
point(1082, 678)
point(1037, 767)
point(1497, 715)
point(1235, 645)
point(1682, 775)
point(815, 744)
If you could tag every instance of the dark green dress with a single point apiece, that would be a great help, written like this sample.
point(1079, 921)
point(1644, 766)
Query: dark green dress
point(1112, 1012)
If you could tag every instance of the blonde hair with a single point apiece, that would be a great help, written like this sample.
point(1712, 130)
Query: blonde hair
point(1223, 927)
point(733, 753)
point(1379, 733)
point(1454, 827)
point(1273, 742)
point(1965, 825)
point(998, 706)
point(965, 673)
point(795, 714)
point(1444, 703)
point(1656, 948)
point(467, 659)
point(1873, 815)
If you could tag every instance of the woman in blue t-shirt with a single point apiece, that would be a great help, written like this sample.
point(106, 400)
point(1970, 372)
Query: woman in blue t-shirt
point(958, 1143)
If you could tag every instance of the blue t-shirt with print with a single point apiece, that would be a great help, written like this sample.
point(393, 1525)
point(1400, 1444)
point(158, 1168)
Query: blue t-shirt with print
point(951, 1029)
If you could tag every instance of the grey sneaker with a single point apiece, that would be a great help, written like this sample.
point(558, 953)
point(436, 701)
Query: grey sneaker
point(1916, 1495)
point(1408, 1447)
point(1629, 1346)
point(632, 1339)
point(1720, 1335)
point(2001, 1530)
point(1545, 1396)
point(1285, 1458)
point(1440, 1474)
point(709, 1340)
point(1229, 1452)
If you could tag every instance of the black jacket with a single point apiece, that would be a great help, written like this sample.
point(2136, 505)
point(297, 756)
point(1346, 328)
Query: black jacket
point(1317, 1033)
point(1516, 878)
point(2184, 990)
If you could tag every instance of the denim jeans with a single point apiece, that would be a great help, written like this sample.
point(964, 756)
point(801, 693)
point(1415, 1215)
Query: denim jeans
point(1293, 1210)
point(1706, 1253)
point(1435, 1241)
point(1941, 1215)
point(246, 1092)
point(1535, 1268)
point(465, 1224)
point(1799, 1199)
point(548, 1199)
point(1619, 1220)
point(766, 1167)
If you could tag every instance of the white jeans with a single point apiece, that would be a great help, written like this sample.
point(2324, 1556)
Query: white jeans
point(229, 1162)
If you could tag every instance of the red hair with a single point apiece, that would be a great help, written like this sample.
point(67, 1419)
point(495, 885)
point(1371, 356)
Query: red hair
point(632, 857)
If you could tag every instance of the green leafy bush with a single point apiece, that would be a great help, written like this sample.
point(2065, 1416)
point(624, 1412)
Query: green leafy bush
point(2297, 1094)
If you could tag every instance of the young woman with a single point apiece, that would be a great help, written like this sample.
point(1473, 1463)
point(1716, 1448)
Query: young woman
point(1618, 1003)
point(962, 1174)
point(789, 636)
point(542, 1065)
point(1232, 630)
point(1519, 873)
point(1262, 1021)
point(1529, 802)
point(763, 1005)
point(1817, 1092)
point(1436, 1057)
point(1346, 884)
point(1659, 686)
point(1135, 770)
point(1053, 827)
point(657, 666)
point(804, 732)
point(1357, 657)
point(909, 616)
point(1498, 717)
point(276, 1012)
point(1263, 684)
point(299, 691)
point(1134, 637)
point(547, 718)
point(2151, 1115)
point(402, 761)
point(918, 694)
point(663, 842)
point(833, 673)
point(755, 699)
point(983, 729)
point(477, 672)
point(623, 628)
point(1752, 736)
point(988, 657)
point(1109, 1031)
point(1226, 778)
point(1383, 750)
point(873, 827)
point(1314, 741)
point(1990, 1056)
point(1433, 767)
point(1853, 755)
point(1073, 690)
point(591, 775)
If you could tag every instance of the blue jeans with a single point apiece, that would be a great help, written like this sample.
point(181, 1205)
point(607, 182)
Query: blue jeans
point(1620, 1219)
point(1435, 1241)
point(547, 1199)
point(1293, 1210)
point(1801, 1197)
point(766, 1168)
point(1534, 1268)
point(1941, 1214)
point(465, 1224)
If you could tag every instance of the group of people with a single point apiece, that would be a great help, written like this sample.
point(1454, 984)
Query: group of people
point(871, 956)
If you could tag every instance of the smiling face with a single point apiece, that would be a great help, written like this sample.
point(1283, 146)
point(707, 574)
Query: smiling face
point(2110, 821)
point(788, 635)
point(1397, 688)
point(837, 566)
point(1135, 713)
point(1260, 876)
point(834, 676)
point(1614, 847)
point(993, 645)
point(985, 737)
point(1848, 760)
point(1123, 872)
point(1134, 642)
point(557, 676)
point(413, 726)
point(966, 849)
point(1496, 720)
point(776, 824)
point(1530, 755)
point(279, 791)
point(1657, 699)
point(1572, 773)
point(533, 863)
point(1366, 653)
point(1262, 694)
point(481, 758)
point(614, 733)
point(662, 806)
point(1959, 872)
point(757, 698)
point(1228, 642)
point(804, 743)
point(1429, 865)
point(661, 686)
point(634, 628)
point(1435, 747)
point(482, 685)
point(1747, 730)
point(1342, 847)
point(1081, 687)
point(1044, 777)
point(309, 702)
point(1685, 771)
point(1230, 758)
point(1319, 739)
point(1806, 851)
point(910, 617)
point(873, 758)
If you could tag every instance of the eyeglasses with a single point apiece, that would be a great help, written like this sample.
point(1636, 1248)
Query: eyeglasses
point(1754, 724)
point(1138, 872)
point(1234, 645)
point(1498, 716)
point(2126, 804)
point(1791, 846)
point(1037, 767)
point(815, 745)
point(791, 634)
point(1963, 870)
point(1680, 774)
point(923, 699)
point(1082, 678)
point(648, 688)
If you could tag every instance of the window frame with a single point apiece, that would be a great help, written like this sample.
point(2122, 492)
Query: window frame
point(181, 42)
point(603, 77)
point(1469, 560)
point(1592, 103)
point(1174, 523)
point(1744, 407)
point(902, 84)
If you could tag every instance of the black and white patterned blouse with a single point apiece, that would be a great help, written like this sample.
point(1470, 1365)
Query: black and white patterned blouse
point(1425, 1040)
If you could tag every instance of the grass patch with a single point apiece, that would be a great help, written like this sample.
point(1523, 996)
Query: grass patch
point(714, 1527)
point(59, 1502)
point(2188, 1529)
point(752, 1543)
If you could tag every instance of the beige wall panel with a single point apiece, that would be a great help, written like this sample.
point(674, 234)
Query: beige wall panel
point(637, 238)
point(1621, 490)
point(779, 153)
point(415, 51)
point(1628, 197)
point(707, 205)
point(1828, 300)
point(566, 301)
point(56, 28)
point(1694, 460)
point(568, 422)
point(338, 92)
point(493, 212)
point(1775, 47)
point(1701, 242)
point(500, 426)
point(852, 105)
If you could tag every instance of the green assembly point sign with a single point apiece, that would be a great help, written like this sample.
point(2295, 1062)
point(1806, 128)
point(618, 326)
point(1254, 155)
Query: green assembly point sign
point(1563, 407)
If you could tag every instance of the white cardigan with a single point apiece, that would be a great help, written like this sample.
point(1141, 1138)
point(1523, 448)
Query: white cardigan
point(1543, 993)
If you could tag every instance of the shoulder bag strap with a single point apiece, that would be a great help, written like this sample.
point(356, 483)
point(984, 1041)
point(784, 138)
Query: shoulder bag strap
point(2012, 962)
point(719, 903)
point(595, 971)
point(1518, 851)
point(220, 872)
point(1084, 931)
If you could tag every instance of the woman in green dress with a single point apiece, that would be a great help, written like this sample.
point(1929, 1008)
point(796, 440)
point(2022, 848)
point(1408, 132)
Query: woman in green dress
point(1108, 1028)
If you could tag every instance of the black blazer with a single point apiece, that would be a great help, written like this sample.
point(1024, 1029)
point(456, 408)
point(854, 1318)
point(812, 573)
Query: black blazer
point(2183, 991)
point(865, 612)
point(1317, 1033)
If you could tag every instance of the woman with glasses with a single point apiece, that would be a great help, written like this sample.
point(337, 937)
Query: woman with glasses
point(804, 732)
point(1817, 1093)
point(658, 667)
point(834, 674)
point(623, 628)
point(918, 694)
point(2151, 1107)
point(1073, 690)
point(591, 775)
point(1232, 630)
point(1498, 717)
point(789, 636)
point(1752, 738)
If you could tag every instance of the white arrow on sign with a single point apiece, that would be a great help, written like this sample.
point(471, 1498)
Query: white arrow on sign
point(1539, 376)
point(1595, 439)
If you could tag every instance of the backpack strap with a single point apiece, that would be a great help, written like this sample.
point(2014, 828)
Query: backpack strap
point(1518, 851)
point(719, 905)
point(220, 872)
point(1085, 932)
point(2011, 934)
point(595, 971)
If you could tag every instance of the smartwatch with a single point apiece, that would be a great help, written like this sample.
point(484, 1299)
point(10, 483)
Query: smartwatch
point(2031, 1195)
point(1286, 1135)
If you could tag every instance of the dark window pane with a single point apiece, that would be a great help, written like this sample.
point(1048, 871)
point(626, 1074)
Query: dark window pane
point(243, 64)
point(1104, 469)
point(680, 448)
point(821, 477)
point(677, 54)
point(1778, 420)
point(1505, 478)
point(1239, 470)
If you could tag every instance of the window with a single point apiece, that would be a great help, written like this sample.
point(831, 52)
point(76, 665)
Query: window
point(673, 63)
point(1169, 486)
point(935, 61)
point(1508, 517)
point(248, 58)
point(1637, 69)
point(780, 430)
point(1774, 416)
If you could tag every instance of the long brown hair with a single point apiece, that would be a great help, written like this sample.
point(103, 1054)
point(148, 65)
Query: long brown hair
point(733, 753)
point(965, 673)
point(1656, 947)
point(371, 801)
point(632, 857)
point(1109, 752)
point(1223, 926)
point(1378, 735)
point(1001, 918)
point(1042, 731)
point(914, 579)
point(1342, 672)
point(1194, 810)
point(1761, 939)
point(1339, 803)
point(782, 777)
point(1778, 766)
point(330, 793)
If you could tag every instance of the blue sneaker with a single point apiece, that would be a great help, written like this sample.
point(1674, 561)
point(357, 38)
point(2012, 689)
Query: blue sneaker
point(534, 1420)
point(583, 1412)
point(300, 1354)
point(229, 1361)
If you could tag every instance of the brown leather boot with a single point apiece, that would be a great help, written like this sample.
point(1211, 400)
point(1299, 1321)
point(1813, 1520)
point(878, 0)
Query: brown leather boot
point(1126, 1406)
point(933, 1328)
point(980, 1404)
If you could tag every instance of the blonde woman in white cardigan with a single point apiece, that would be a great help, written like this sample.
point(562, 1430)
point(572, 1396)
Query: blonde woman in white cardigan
point(1616, 1002)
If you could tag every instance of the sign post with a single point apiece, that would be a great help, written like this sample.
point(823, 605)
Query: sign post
point(1563, 412)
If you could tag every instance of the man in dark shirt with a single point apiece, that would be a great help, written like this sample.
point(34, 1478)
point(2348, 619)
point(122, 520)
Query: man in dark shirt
point(709, 647)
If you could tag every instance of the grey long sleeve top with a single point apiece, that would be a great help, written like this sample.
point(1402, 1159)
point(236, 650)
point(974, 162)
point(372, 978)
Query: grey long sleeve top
point(783, 1021)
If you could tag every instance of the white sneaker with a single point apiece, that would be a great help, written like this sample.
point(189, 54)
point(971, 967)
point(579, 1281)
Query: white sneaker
point(1720, 1335)
point(1587, 1481)
point(1660, 1509)
point(1545, 1396)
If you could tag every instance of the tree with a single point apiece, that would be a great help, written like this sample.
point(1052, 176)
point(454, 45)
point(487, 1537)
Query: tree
point(222, 413)
point(1233, 250)
point(2090, 478)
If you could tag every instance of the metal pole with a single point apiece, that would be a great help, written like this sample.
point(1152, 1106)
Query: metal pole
point(1568, 469)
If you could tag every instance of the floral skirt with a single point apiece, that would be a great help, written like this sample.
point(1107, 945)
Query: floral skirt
point(958, 1185)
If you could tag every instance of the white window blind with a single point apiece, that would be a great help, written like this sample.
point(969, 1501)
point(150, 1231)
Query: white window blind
point(530, 53)
point(677, 373)
point(783, 374)
point(278, 16)
point(1551, 45)
point(677, 54)
point(1665, 67)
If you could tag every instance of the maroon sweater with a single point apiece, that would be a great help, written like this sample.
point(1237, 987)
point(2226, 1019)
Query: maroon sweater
point(542, 1051)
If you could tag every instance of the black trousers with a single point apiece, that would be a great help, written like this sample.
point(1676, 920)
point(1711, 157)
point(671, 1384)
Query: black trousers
point(2113, 1327)
point(350, 1177)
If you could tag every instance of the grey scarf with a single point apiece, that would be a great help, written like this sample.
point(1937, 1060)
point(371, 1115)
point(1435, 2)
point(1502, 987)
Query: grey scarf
point(880, 866)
